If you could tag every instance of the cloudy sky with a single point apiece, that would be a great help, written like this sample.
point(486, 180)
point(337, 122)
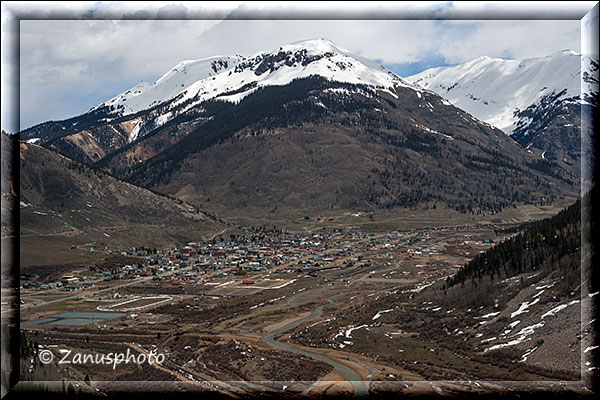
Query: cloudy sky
point(69, 65)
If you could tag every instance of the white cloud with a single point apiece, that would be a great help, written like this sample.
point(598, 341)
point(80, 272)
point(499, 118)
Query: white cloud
point(461, 40)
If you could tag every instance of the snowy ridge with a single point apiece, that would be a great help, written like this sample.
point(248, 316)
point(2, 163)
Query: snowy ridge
point(145, 95)
point(231, 78)
point(297, 60)
point(495, 90)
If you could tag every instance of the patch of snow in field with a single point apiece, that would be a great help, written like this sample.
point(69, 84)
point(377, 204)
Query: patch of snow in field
point(527, 354)
point(381, 312)
point(488, 315)
point(321, 322)
point(546, 286)
point(524, 307)
point(136, 130)
point(558, 308)
point(266, 302)
point(510, 327)
point(225, 284)
point(590, 348)
point(522, 336)
point(349, 331)
point(285, 284)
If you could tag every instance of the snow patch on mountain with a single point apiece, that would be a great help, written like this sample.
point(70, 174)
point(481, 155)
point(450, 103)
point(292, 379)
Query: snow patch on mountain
point(231, 78)
point(496, 90)
point(294, 61)
point(145, 95)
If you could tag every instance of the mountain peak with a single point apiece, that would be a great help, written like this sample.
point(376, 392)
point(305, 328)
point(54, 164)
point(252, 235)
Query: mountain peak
point(497, 90)
point(219, 76)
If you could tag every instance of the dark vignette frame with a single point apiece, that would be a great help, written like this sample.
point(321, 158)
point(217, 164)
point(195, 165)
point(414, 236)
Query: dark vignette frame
point(586, 387)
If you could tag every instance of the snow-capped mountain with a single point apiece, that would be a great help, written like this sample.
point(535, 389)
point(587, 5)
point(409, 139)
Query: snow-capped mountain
point(145, 95)
point(306, 125)
point(497, 90)
point(537, 101)
point(231, 78)
point(138, 111)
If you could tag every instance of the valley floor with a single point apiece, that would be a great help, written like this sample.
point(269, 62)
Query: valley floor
point(342, 312)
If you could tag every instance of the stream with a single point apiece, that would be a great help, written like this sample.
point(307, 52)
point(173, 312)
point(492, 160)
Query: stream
point(360, 388)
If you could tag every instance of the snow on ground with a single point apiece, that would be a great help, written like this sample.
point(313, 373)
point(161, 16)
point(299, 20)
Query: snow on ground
point(558, 308)
point(336, 64)
point(135, 131)
point(546, 286)
point(429, 130)
point(320, 322)
point(524, 307)
point(513, 324)
point(225, 283)
point(267, 302)
point(347, 332)
point(145, 95)
point(522, 336)
point(265, 287)
point(381, 312)
point(488, 315)
point(527, 354)
point(161, 299)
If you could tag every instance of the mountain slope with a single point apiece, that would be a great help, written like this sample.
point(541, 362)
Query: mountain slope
point(526, 294)
point(184, 74)
point(319, 144)
point(537, 101)
point(146, 108)
point(497, 90)
point(67, 201)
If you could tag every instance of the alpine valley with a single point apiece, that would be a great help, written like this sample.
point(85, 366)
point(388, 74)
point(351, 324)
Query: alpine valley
point(305, 222)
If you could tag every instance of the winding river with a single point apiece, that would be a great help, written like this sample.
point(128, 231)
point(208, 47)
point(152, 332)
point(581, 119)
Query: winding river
point(360, 388)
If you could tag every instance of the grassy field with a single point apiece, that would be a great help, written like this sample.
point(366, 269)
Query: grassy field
point(381, 220)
